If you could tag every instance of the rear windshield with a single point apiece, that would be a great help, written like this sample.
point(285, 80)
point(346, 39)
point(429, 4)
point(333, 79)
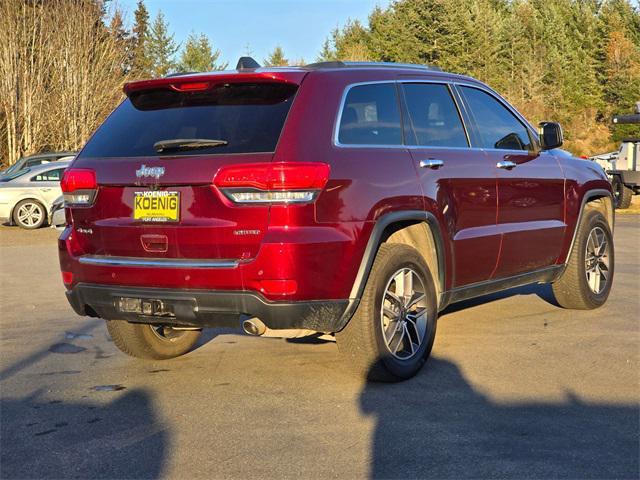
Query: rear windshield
point(246, 118)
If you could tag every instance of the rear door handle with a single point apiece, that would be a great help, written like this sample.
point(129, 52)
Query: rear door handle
point(506, 164)
point(432, 163)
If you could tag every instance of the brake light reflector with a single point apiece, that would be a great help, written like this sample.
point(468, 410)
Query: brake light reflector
point(79, 187)
point(191, 86)
point(279, 287)
point(287, 182)
point(67, 278)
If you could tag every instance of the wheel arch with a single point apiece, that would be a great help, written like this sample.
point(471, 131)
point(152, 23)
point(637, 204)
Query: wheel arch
point(600, 200)
point(415, 228)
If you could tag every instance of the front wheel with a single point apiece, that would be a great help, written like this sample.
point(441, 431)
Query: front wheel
point(155, 342)
point(586, 282)
point(391, 333)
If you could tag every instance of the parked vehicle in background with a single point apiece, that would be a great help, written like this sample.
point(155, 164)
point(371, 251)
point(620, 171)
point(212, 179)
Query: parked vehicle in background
point(35, 160)
point(58, 218)
point(26, 196)
point(351, 198)
point(623, 166)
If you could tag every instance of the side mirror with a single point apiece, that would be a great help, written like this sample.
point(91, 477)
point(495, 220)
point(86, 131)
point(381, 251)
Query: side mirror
point(550, 135)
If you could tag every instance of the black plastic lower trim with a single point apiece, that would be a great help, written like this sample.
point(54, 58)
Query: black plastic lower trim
point(204, 308)
point(544, 275)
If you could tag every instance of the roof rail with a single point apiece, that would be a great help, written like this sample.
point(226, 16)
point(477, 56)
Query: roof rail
point(179, 74)
point(341, 64)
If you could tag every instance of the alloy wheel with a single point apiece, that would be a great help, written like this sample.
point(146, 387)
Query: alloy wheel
point(30, 214)
point(404, 314)
point(597, 260)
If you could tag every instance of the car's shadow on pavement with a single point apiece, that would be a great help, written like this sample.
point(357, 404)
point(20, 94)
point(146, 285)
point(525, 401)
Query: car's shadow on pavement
point(438, 426)
point(57, 439)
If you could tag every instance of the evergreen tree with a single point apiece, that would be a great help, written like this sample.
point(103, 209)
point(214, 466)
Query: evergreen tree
point(140, 62)
point(327, 54)
point(276, 58)
point(352, 42)
point(573, 61)
point(161, 48)
point(123, 40)
point(198, 55)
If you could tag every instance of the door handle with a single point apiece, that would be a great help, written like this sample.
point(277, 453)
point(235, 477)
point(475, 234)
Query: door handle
point(432, 163)
point(45, 189)
point(506, 164)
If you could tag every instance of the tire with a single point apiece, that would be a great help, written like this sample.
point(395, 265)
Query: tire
point(29, 214)
point(574, 288)
point(621, 194)
point(362, 343)
point(141, 341)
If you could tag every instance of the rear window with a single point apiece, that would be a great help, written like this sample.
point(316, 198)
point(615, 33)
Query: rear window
point(248, 117)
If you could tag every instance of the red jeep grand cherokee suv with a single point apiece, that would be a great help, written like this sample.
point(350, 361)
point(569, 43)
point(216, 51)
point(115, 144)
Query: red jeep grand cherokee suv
point(354, 198)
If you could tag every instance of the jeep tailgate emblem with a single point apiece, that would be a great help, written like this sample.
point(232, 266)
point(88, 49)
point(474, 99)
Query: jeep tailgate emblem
point(155, 172)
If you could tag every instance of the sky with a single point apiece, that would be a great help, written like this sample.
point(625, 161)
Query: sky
point(298, 26)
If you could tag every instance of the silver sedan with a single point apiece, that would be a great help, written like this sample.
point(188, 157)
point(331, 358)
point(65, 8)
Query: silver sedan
point(26, 197)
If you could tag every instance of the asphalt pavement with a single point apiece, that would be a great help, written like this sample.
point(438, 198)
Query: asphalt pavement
point(516, 388)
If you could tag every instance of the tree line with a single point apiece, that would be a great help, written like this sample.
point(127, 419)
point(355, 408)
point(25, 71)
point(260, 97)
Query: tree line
point(573, 61)
point(63, 62)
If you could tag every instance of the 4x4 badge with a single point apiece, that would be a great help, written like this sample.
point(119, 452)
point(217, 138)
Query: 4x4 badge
point(144, 171)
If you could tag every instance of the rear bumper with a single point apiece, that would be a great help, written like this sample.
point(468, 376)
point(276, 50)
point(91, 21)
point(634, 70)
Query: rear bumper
point(203, 308)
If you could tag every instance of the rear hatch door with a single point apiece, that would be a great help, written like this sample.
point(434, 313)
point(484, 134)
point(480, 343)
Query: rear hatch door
point(155, 158)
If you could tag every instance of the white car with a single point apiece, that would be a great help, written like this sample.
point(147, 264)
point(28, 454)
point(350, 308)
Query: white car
point(26, 197)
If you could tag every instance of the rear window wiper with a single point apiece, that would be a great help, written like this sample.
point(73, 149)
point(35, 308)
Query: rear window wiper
point(178, 144)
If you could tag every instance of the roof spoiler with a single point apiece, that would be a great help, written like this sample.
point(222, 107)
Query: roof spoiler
point(205, 81)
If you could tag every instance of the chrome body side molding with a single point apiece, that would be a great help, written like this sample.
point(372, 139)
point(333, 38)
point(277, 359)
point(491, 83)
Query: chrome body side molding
point(155, 262)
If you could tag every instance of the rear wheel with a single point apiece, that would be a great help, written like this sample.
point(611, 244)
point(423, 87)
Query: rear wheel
point(586, 282)
point(622, 195)
point(29, 214)
point(391, 334)
point(151, 341)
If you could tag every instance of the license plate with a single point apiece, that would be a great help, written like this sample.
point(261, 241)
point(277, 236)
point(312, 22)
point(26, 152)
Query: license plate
point(156, 206)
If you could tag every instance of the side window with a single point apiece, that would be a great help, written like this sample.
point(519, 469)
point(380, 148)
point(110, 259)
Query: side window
point(435, 121)
point(50, 176)
point(371, 116)
point(497, 126)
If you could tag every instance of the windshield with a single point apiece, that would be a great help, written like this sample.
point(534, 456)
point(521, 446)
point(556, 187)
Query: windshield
point(8, 176)
point(13, 168)
point(232, 118)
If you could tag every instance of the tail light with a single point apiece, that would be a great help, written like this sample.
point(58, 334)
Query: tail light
point(79, 187)
point(290, 182)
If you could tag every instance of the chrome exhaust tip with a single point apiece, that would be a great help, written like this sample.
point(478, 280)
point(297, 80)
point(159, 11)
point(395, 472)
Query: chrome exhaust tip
point(254, 326)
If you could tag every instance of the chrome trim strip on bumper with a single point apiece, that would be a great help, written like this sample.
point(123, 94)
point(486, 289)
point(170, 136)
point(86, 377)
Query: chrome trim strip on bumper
point(155, 262)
